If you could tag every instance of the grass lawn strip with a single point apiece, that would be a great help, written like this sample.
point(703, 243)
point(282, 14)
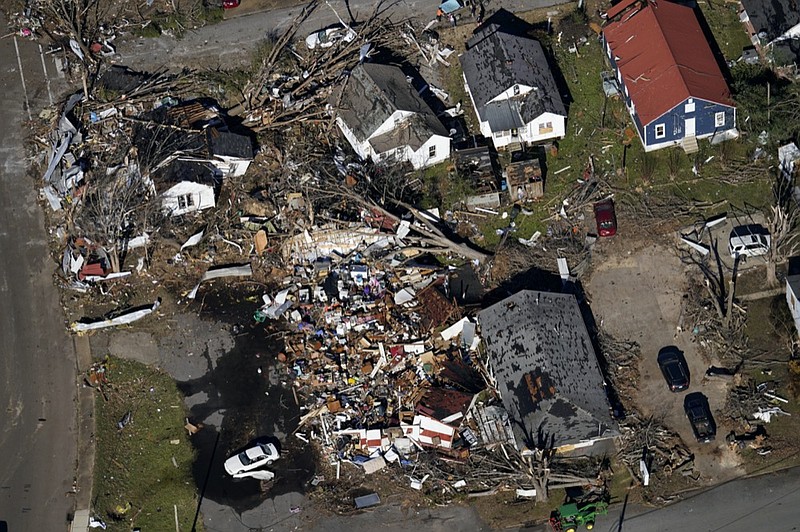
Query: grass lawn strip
point(148, 463)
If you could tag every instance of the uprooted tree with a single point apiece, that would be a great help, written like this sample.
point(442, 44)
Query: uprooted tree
point(783, 222)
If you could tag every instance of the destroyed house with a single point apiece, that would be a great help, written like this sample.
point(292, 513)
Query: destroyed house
point(186, 186)
point(546, 370)
point(229, 152)
point(384, 119)
point(671, 83)
point(774, 28)
point(512, 88)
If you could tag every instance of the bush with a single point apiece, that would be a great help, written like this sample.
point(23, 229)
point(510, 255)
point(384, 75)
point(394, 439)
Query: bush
point(151, 31)
point(212, 15)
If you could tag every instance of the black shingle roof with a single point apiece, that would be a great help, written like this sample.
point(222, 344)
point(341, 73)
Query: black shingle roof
point(546, 368)
point(494, 62)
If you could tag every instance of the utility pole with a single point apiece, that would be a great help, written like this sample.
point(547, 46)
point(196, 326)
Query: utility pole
point(205, 484)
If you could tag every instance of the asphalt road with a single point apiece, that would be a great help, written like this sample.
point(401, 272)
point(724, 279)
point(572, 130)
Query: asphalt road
point(37, 361)
point(769, 502)
point(227, 43)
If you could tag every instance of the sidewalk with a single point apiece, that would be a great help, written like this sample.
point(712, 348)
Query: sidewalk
point(86, 450)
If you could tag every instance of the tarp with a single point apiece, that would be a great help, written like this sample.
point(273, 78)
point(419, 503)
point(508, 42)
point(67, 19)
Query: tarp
point(450, 6)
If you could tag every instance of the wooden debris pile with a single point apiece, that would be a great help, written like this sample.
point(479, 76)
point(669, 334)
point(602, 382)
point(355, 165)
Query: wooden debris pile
point(291, 87)
point(662, 450)
point(621, 365)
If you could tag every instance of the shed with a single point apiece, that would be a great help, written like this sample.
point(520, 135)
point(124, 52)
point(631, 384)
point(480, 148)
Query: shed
point(524, 180)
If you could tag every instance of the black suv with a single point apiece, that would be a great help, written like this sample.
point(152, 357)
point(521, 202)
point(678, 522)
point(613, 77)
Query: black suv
point(699, 414)
point(673, 366)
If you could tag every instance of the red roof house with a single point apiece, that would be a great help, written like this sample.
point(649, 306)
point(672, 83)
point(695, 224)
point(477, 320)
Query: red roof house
point(670, 79)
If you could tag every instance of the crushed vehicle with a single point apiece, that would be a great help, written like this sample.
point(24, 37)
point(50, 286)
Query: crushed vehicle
point(327, 37)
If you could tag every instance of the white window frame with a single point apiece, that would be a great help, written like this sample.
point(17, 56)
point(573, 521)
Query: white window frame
point(516, 90)
point(663, 129)
point(432, 150)
point(719, 119)
point(185, 201)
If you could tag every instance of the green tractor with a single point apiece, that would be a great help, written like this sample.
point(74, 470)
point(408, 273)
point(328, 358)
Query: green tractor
point(570, 516)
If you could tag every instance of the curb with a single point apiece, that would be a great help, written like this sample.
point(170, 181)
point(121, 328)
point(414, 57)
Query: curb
point(86, 427)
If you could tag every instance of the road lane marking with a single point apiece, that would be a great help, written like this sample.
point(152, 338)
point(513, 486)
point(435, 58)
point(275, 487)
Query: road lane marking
point(46, 77)
point(22, 77)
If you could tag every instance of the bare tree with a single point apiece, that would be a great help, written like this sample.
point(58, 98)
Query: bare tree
point(782, 224)
point(114, 209)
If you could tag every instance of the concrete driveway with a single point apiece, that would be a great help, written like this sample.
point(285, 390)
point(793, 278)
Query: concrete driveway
point(636, 294)
point(37, 359)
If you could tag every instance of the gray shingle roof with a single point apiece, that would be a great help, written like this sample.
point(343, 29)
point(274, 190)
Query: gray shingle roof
point(774, 17)
point(495, 61)
point(546, 369)
point(374, 92)
point(229, 144)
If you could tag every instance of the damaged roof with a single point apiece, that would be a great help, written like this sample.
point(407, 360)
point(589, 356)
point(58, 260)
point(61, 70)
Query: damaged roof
point(445, 405)
point(774, 17)
point(371, 96)
point(494, 62)
point(179, 171)
point(664, 57)
point(546, 369)
point(227, 144)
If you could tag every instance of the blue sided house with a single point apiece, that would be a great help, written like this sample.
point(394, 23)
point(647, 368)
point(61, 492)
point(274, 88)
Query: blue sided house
point(671, 82)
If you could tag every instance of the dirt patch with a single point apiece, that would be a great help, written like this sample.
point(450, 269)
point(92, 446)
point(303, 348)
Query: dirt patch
point(636, 294)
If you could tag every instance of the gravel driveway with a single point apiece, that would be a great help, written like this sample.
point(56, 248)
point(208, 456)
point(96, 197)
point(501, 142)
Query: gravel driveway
point(636, 294)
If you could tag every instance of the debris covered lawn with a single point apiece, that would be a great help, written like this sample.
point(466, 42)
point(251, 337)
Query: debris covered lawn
point(407, 336)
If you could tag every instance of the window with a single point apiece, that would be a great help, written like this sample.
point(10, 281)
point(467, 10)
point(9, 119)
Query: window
point(661, 131)
point(719, 119)
point(432, 151)
point(499, 134)
point(514, 133)
point(185, 201)
point(545, 127)
point(516, 90)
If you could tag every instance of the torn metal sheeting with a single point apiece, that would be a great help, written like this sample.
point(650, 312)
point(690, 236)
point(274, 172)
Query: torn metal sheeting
point(193, 240)
point(697, 246)
point(121, 319)
point(242, 270)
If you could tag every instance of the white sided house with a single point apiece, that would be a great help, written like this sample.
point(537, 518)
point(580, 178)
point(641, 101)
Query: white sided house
point(384, 119)
point(792, 295)
point(230, 153)
point(512, 89)
point(187, 186)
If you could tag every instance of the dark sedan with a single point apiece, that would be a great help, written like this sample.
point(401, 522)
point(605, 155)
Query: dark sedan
point(699, 414)
point(673, 366)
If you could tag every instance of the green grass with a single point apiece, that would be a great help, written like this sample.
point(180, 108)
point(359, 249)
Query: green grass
point(598, 129)
point(729, 32)
point(135, 465)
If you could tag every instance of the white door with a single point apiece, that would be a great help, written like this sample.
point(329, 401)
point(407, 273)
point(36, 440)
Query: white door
point(689, 129)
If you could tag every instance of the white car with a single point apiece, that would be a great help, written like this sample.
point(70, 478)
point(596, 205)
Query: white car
point(262, 454)
point(327, 37)
point(749, 241)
